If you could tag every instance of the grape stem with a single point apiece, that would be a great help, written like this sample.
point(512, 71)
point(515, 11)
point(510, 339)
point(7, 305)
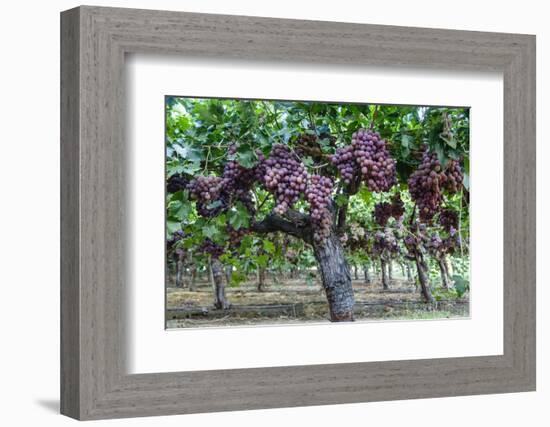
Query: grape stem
point(374, 114)
point(206, 161)
point(262, 203)
point(412, 215)
point(320, 166)
point(312, 119)
point(460, 223)
point(273, 115)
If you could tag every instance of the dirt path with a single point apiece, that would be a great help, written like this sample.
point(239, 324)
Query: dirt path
point(296, 302)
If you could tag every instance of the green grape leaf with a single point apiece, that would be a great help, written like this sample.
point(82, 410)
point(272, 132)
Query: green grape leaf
point(191, 168)
point(268, 246)
point(172, 225)
point(209, 231)
point(341, 199)
point(308, 161)
point(262, 260)
point(246, 156)
point(188, 152)
point(215, 204)
point(237, 277)
point(461, 285)
point(406, 140)
point(238, 216)
point(364, 194)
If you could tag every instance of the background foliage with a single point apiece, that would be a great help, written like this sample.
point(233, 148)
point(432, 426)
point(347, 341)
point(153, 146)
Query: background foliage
point(200, 132)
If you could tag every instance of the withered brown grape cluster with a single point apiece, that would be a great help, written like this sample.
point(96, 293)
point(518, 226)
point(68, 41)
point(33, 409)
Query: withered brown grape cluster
point(429, 180)
point(318, 196)
point(285, 177)
point(367, 158)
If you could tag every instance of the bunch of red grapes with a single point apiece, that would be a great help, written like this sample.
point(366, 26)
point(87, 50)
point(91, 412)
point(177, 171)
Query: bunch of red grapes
point(318, 194)
point(211, 248)
point(176, 183)
point(235, 236)
point(454, 176)
point(385, 243)
point(397, 206)
point(448, 219)
point(236, 177)
point(216, 194)
point(366, 158)
point(207, 191)
point(434, 243)
point(384, 211)
point(429, 180)
point(285, 177)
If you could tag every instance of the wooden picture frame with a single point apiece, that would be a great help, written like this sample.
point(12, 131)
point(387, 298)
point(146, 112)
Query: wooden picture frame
point(94, 382)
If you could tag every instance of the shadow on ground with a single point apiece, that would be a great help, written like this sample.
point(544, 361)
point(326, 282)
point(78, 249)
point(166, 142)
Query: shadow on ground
point(51, 405)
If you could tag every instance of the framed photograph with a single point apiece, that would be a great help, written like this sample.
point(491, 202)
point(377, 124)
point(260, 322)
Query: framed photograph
point(261, 213)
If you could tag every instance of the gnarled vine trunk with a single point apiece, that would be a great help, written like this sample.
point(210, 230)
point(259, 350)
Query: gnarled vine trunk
point(410, 278)
point(355, 274)
point(228, 272)
point(220, 300)
point(261, 279)
point(443, 272)
point(366, 273)
point(336, 278)
point(329, 253)
point(390, 271)
point(179, 272)
point(423, 278)
point(193, 279)
point(449, 269)
point(384, 270)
